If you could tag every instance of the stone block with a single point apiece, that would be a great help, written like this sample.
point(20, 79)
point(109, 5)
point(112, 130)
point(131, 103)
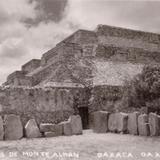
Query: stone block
point(32, 130)
point(143, 125)
point(59, 129)
point(133, 123)
point(91, 120)
point(154, 124)
point(13, 129)
point(122, 121)
point(47, 127)
point(100, 121)
point(112, 122)
point(76, 124)
point(1, 129)
point(67, 129)
point(50, 134)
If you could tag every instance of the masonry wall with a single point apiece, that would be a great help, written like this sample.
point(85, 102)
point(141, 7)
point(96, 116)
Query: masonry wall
point(45, 105)
point(104, 98)
point(31, 65)
point(134, 45)
point(19, 78)
point(55, 104)
point(128, 34)
point(81, 37)
point(106, 43)
point(127, 54)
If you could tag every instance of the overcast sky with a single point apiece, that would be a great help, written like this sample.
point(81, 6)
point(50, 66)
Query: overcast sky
point(28, 28)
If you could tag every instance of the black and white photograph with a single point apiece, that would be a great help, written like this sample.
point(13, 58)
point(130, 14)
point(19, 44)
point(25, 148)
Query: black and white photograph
point(79, 80)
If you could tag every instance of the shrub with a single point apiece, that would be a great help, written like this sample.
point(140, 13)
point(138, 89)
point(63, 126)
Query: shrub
point(144, 89)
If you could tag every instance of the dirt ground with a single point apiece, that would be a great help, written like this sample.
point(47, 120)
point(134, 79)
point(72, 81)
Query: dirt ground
point(89, 146)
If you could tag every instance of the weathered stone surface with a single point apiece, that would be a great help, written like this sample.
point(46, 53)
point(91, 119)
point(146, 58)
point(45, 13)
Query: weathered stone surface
point(13, 129)
point(32, 130)
point(112, 122)
point(133, 123)
point(67, 129)
point(154, 124)
point(46, 101)
point(59, 129)
point(143, 125)
point(122, 121)
point(100, 121)
point(1, 129)
point(50, 134)
point(76, 124)
point(47, 127)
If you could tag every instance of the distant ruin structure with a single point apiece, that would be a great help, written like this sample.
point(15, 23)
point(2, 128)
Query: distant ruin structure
point(85, 71)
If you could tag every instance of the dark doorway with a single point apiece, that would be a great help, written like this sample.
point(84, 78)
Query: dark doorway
point(83, 112)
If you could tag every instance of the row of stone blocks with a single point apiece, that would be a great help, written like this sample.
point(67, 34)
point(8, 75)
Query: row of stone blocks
point(132, 123)
point(11, 128)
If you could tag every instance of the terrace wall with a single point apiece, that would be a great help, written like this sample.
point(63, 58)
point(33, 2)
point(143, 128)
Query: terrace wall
point(31, 65)
point(50, 105)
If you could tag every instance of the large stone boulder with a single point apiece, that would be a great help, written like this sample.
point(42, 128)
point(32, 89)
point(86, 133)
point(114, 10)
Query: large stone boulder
point(1, 129)
point(32, 130)
point(67, 129)
point(47, 127)
point(154, 124)
point(76, 124)
point(13, 129)
point(122, 121)
point(133, 123)
point(112, 122)
point(143, 125)
point(100, 121)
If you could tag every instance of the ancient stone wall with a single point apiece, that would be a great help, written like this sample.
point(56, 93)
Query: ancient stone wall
point(81, 37)
point(137, 44)
point(41, 74)
point(127, 34)
point(43, 104)
point(55, 104)
point(16, 74)
point(19, 78)
point(31, 65)
point(85, 58)
point(104, 97)
point(76, 40)
point(123, 42)
point(127, 54)
point(107, 43)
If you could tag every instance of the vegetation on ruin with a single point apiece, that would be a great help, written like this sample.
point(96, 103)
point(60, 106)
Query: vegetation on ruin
point(144, 89)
